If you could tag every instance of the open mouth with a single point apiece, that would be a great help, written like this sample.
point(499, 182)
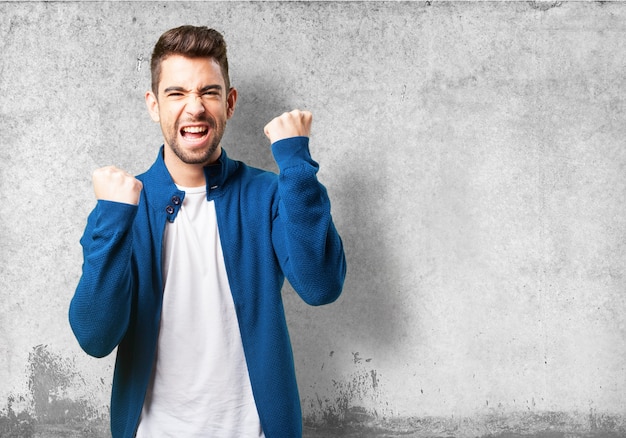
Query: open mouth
point(194, 133)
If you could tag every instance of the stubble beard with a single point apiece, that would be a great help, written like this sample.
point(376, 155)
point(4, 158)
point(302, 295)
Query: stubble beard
point(202, 156)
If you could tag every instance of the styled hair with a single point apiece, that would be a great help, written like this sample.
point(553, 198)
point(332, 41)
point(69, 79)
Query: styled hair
point(191, 42)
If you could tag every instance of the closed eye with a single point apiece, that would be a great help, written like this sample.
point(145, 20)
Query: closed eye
point(211, 90)
point(174, 92)
point(208, 91)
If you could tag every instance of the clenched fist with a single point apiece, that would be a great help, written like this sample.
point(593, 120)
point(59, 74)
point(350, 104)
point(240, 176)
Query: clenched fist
point(113, 184)
point(292, 124)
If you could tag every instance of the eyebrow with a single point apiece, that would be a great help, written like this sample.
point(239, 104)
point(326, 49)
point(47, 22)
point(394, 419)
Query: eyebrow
point(202, 90)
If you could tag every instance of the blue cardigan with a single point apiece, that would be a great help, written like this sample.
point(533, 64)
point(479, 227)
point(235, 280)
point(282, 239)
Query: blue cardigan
point(270, 226)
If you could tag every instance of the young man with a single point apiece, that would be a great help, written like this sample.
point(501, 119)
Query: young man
point(183, 265)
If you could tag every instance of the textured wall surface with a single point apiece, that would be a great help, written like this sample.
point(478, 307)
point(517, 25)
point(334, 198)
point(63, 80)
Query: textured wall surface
point(474, 154)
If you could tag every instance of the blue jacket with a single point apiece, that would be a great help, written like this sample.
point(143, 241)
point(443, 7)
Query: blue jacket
point(270, 226)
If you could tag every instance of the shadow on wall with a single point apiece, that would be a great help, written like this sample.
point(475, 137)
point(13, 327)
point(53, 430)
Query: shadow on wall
point(259, 101)
point(357, 198)
point(353, 390)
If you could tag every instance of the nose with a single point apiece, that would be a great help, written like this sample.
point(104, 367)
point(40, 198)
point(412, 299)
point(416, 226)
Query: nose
point(194, 105)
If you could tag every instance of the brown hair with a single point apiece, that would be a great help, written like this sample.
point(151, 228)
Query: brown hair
point(191, 42)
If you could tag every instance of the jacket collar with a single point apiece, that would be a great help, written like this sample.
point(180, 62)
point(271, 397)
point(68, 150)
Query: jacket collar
point(163, 195)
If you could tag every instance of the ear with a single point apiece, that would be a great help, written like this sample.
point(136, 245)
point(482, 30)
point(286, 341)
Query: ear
point(231, 102)
point(153, 106)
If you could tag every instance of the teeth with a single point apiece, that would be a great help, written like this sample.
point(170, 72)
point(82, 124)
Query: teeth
point(194, 129)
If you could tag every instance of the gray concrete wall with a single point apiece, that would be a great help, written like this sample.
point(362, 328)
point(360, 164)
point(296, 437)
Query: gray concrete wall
point(474, 154)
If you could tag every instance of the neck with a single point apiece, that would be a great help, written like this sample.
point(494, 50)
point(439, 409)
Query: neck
point(185, 174)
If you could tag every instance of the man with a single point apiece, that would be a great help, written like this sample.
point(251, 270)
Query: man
point(183, 265)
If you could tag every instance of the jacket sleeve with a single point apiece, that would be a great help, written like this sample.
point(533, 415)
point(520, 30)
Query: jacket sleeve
point(306, 242)
point(100, 309)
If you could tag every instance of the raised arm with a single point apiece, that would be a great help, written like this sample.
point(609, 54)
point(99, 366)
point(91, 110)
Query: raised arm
point(100, 309)
point(305, 239)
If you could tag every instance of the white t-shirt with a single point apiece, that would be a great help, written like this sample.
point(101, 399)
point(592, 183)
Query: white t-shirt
point(200, 385)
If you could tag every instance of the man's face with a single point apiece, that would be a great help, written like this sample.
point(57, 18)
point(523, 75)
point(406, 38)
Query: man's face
point(192, 107)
